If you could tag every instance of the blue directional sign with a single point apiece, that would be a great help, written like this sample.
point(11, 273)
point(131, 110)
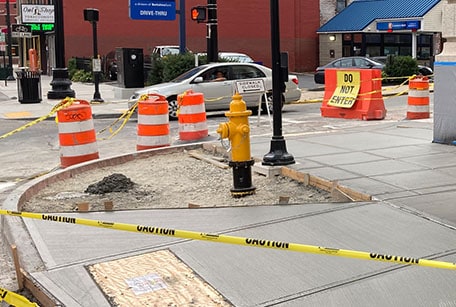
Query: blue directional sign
point(152, 10)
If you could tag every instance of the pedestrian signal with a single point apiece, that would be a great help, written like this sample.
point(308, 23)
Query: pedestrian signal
point(198, 13)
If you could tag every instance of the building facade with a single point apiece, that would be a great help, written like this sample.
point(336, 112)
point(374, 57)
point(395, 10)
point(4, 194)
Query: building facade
point(243, 26)
point(384, 27)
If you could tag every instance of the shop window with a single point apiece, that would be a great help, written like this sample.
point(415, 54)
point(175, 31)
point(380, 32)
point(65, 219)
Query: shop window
point(424, 39)
point(358, 38)
point(373, 38)
point(397, 39)
point(346, 51)
point(372, 51)
point(347, 37)
point(423, 53)
point(391, 50)
point(341, 4)
point(405, 51)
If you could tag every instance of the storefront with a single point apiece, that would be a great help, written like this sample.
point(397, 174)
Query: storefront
point(381, 28)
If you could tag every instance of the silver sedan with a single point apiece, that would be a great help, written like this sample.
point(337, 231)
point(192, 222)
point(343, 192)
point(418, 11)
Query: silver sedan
point(219, 81)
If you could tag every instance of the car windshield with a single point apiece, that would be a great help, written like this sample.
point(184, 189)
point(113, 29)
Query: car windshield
point(188, 74)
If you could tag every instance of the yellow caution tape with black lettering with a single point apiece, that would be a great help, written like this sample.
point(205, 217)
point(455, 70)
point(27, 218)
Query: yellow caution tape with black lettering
point(61, 105)
point(193, 235)
point(15, 299)
point(125, 117)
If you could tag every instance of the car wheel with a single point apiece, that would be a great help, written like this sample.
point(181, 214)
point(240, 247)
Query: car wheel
point(269, 104)
point(173, 106)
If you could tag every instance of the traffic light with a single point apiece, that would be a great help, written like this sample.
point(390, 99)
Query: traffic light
point(198, 13)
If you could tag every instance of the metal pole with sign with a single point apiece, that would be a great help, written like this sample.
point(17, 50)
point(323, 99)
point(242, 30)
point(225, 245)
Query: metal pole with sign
point(92, 15)
point(278, 154)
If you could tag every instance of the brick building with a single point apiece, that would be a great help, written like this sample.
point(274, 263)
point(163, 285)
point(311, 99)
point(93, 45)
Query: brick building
point(243, 26)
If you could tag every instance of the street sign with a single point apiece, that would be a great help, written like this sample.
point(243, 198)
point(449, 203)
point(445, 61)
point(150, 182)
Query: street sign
point(250, 86)
point(152, 10)
point(19, 30)
point(348, 84)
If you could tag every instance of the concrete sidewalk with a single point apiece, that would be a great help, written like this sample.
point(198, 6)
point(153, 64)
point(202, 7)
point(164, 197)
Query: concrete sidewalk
point(412, 214)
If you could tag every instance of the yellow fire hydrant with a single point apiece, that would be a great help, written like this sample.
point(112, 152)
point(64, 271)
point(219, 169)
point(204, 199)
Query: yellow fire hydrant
point(237, 130)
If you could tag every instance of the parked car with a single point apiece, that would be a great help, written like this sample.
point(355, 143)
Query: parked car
point(161, 51)
point(422, 69)
point(232, 57)
point(236, 57)
point(346, 62)
point(218, 95)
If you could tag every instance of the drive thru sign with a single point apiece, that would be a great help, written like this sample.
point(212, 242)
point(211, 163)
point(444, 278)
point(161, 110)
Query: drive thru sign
point(152, 9)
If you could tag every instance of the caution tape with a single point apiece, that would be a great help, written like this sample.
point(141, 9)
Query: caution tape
point(251, 242)
point(15, 299)
point(61, 105)
point(125, 117)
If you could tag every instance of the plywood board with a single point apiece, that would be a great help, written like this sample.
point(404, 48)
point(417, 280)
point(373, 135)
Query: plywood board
point(154, 279)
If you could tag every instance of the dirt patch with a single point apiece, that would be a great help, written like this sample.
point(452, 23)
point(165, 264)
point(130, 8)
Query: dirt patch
point(174, 180)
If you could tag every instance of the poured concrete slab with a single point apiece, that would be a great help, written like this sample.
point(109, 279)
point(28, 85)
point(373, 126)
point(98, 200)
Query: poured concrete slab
point(266, 275)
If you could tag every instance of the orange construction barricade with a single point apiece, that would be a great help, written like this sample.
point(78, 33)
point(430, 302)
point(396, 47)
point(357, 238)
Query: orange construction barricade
point(77, 137)
point(192, 116)
point(353, 94)
point(153, 122)
point(418, 98)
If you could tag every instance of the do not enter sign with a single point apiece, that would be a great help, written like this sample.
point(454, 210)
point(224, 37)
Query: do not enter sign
point(346, 92)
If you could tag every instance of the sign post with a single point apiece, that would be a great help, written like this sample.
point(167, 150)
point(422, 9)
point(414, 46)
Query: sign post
point(278, 154)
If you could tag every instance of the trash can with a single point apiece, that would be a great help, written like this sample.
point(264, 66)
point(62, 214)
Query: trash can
point(29, 86)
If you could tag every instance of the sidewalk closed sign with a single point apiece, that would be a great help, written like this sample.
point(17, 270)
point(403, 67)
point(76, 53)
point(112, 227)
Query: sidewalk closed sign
point(346, 92)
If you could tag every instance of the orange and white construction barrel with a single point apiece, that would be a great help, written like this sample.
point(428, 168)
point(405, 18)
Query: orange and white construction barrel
point(77, 137)
point(192, 116)
point(153, 122)
point(418, 98)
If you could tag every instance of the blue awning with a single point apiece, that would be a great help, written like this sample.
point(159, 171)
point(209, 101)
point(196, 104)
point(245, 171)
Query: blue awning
point(360, 13)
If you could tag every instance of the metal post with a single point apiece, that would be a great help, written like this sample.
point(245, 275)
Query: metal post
point(278, 154)
point(182, 35)
point(60, 82)
point(212, 36)
point(96, 73)
point(8, 39)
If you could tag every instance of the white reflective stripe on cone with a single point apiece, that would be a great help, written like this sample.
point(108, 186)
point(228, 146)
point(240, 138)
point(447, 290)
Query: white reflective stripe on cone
point(79, 150)
point(192, 109)
point(162, 119)
point(418, 93)
point(417, 109)
point(193, 127)
point(153, 140)
point(75, 127)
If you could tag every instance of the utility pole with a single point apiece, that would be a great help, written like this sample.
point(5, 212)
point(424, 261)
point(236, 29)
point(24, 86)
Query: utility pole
point(278, 154)
point(60, 81)
point(212, 36)
point(8, 39)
